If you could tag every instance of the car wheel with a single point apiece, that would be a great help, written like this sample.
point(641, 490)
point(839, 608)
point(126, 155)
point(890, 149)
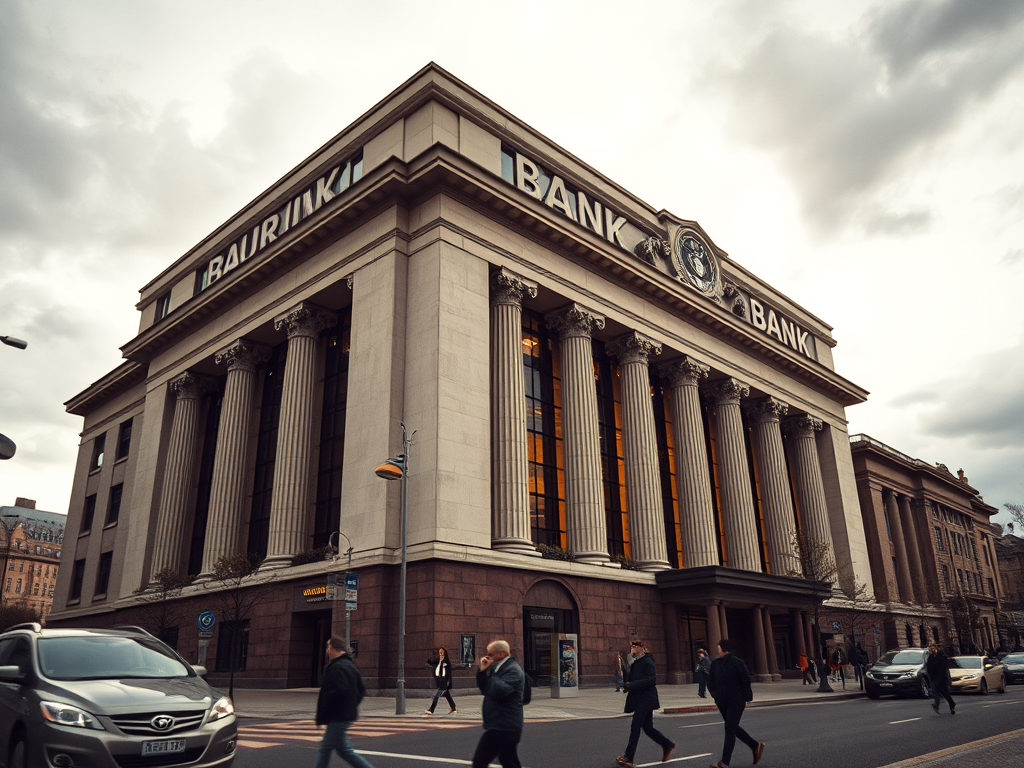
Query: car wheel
point(18, 753)
point(984, 687)
point(923, 688)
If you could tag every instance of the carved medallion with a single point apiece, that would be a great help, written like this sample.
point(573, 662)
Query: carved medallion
point(694, 263)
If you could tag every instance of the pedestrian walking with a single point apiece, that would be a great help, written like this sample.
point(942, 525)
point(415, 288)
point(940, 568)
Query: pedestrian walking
point(730, 686)
point(838, 662)
point(502, 681)
point(702, 672)
point(937, 668)
point(442, 682)
point(805, 667)
point(642, 700)
point(337, 706)
point(618, 666)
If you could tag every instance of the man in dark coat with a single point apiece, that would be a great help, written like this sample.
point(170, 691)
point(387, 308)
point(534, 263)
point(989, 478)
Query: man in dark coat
point(501, 680)
point(730, 686)
point(936, 666)
point(337, 705)
point(642, 699)
point(703, 670)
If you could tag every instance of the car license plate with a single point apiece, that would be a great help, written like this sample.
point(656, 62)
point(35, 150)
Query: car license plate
point(885, 685)
point(163, 747)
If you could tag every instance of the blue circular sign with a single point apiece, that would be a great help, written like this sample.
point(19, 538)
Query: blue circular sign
point(206, 621)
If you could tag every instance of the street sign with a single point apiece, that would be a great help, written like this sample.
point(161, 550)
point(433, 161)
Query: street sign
point(206, 622)
point(837, 625)
point(351, 591)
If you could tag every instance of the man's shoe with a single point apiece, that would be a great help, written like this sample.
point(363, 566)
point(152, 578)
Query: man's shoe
point(624, 761)
point(428, 713)
point(452, 711)
point(935, 706)
point(758, 751)
point(666, 752)
point(952, 710)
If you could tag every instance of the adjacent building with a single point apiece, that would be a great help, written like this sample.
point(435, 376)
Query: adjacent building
point(32, 540)
point(616, 429)
point(1010, 556)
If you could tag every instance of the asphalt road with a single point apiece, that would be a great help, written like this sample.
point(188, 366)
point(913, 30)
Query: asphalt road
point(838, 734)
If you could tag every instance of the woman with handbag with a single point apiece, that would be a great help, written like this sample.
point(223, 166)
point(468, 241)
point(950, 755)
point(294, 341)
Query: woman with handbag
point(443, 681)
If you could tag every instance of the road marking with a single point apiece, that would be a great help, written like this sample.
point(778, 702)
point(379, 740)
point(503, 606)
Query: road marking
point(910, 720)
point(1000, 703)
point(675, 760)
point(699, 725)
point(429, 758)
point(259, 744)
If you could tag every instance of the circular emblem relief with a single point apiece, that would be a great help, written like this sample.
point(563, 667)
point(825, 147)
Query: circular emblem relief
point(694, 262)
point(162, 723)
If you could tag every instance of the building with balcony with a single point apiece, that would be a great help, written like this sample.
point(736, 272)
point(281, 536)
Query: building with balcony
point(32, 541)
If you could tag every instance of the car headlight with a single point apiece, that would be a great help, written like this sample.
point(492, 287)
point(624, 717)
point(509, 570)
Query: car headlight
point(870, 674)
point(222, 708)
point(907, 674)
point(969, 677)
point(62, 714)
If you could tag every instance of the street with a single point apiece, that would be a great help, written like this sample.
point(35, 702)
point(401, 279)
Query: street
point(851, 733)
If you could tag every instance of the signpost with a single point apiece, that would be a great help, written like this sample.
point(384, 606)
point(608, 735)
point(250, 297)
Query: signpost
point(206, 622)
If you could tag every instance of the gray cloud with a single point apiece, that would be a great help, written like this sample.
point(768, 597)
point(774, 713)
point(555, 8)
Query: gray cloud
point(846, 115)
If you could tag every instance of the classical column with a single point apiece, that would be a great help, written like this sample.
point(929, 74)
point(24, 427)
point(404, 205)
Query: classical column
point(584, 497)
point(227, 487)
point(640, 448)
point(738, 517)
point(813, 653)
point(903, 578)
point(674, 661)
point(178, 471)
point(510, 526)
point(769, 644)
point(796, 619)
point(723, 620)
point(696, 511)
point(913, 549)
point(810, 490)
point(289, 501)
point(776, 496)
point(714, 630)
point(761, 673)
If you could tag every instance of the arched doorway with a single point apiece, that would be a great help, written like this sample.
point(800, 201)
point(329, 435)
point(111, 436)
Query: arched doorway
point(548, 609)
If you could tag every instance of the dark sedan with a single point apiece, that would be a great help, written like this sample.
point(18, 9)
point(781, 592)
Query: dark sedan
point(898, 672)
point(1013, 664)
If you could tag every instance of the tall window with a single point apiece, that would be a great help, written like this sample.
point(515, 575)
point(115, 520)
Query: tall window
point(755, 491)
point(114, 504)
point(669, 482)
point(77, 579)
point(103, 574)
point(266, 451)
point(542, 376)
point(98, 448)
point(613, 470)
point(332, 431)
point(124, 440)
point(205, 484)
point(88, 513)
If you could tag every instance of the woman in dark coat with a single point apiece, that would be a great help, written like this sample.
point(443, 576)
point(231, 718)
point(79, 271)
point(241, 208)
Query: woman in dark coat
point(443, 681)
point(937, 668)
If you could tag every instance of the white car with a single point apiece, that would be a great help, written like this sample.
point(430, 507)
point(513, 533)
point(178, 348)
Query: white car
point(976, 674)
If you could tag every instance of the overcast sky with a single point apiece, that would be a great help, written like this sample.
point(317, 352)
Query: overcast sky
point(865, 158)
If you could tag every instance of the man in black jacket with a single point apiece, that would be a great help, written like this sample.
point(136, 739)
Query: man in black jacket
point(642, 699)
point(937, 668)
point(501, 680)
point(337, 705)
point(730, 686)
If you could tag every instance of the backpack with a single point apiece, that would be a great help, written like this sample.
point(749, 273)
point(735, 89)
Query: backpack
point(527, 689)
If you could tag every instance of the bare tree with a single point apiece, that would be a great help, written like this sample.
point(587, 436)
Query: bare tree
point(854, 604)
point(236, 596)
point(160, 612)
point(964, 619)
point(817, 563)
point(1017, 515)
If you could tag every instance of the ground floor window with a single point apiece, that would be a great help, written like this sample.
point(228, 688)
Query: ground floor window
point(232, 646)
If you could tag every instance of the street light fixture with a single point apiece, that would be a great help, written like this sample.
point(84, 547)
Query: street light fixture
point(398, 469)
point(10, 341)
point(348, 613)
point(7, 446)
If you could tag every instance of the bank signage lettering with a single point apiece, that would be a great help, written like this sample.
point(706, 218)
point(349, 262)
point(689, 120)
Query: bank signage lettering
point(776, 324)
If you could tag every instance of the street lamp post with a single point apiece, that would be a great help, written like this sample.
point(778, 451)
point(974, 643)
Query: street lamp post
point(398, 469)
point(348, 570)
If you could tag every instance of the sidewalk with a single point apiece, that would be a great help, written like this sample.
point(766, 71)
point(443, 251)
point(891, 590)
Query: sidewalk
point(300, 703)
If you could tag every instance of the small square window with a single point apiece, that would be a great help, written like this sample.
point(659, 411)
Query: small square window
point(163, 306)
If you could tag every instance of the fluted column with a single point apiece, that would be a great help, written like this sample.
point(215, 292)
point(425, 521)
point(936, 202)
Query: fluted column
point(810, 489)
point(903, 577)
point(227, 486)
point(584, 497)
point(769, 644)
point(723, 620)
point(738, 515)
point(913, 549)
point(289, 501)
point(761, 673)
point(176, 495)
point(714, 630)
point(510, 525)
point(696, 511)
point(640, 448)
point(776, 496)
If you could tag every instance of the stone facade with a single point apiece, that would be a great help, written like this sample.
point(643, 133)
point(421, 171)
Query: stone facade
point(31, 541)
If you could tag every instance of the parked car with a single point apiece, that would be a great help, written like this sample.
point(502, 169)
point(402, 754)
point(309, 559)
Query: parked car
point(107, 698)
point(976, 674)
point(898, 672)
point(1013, 668)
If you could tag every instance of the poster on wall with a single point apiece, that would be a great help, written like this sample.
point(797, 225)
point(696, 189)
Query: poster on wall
point(567, 663)
point(565, 670)
point(467, 656)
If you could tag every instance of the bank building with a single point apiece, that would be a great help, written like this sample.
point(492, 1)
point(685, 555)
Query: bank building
point(616, 430)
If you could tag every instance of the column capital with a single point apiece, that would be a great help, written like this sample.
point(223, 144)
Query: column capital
point(634, 347)
point(191, 386)
point(509, 288)
point(305, 319)
point(574, 320)
point(243, 355)
point(766, 409)
point(684, 372)
point(803, 425)
point(727, 391)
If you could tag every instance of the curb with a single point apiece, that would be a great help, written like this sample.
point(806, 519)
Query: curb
point(769, 703)
point(961, 749)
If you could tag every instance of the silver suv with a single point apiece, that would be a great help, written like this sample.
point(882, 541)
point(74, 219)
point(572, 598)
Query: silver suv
point(106, 698)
